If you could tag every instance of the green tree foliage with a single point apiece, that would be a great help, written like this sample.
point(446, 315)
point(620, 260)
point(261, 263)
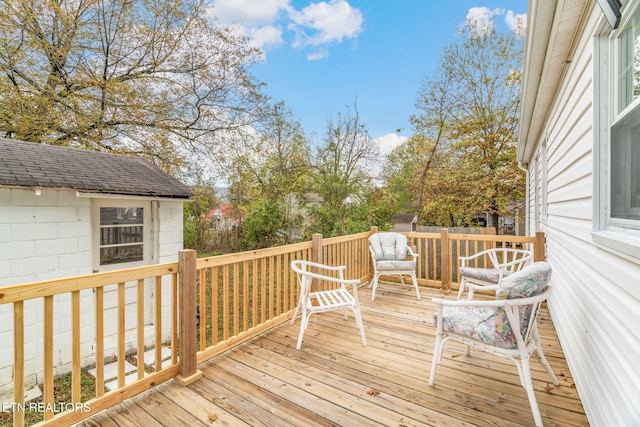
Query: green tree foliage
point(341, 177)
point(157, 78)
point(465, 138)
point(272, 172)
point(197, 228)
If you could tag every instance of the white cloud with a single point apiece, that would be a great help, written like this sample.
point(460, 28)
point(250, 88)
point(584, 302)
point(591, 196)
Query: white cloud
point(480, 20)
point(317, 55)
point(328, 22)
point(388, 142)
point(317, 25)
point(516, 22)
point(267, 36)
point(251, 13)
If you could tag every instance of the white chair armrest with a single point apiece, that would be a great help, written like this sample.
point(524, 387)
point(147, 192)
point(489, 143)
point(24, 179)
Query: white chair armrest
point(412, 253)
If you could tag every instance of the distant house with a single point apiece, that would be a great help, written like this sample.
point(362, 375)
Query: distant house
point(222, 218)
point(404, 222)
point(67, 212)
point(579, 139)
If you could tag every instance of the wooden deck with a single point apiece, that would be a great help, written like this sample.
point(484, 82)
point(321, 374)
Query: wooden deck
point(335, 381)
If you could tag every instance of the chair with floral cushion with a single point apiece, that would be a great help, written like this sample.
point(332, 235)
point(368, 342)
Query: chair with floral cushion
point(390, 256)
point(487, 325)
point(504, 261)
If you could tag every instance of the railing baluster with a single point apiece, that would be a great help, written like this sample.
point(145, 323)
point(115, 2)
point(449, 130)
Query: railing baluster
point(75, 358)
point(18, 361)
point(202, 327)
point(215, 311)
point(48, 357)
point(236, 299)
point(245, 295)
point(174, 318)
point(254, 293)
point(225, 302)
point(99, 341)
point(121, 334)
point(140, 328)
point(158, 323)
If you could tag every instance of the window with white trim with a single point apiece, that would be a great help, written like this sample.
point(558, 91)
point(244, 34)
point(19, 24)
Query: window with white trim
point(625, 129)
point(121, 233)
point(617, 135)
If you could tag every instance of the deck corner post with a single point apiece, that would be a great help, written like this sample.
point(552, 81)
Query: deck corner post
point(445, 261)
point(539, 249)
point(187, 305)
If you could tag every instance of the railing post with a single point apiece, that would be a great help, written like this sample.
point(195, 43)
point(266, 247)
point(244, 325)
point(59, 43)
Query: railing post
point(316, 248)
point(539, 247)
point(490, 231)
point(445, 262)
point(188, 370)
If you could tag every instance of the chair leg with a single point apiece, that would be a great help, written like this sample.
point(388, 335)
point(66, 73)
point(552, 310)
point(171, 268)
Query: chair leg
point(374, 286)
point(461, 289)
point(303, 326)
point(401, 280)
point(525, 372)
point(360, 324)
point(437, 354)
point(295, 313)
point(415, 285)
point(542, 358)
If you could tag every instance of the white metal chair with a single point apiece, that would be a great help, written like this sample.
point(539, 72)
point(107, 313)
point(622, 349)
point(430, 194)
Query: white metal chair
point(504, 261)
point(389, 254)
point(342, 298)
point(487, 325)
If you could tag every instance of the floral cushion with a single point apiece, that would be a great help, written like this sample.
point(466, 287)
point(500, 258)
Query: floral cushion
point(528, 282)
point(388, 265)
point(491, 275)
point(388, 246)
point(484, 324)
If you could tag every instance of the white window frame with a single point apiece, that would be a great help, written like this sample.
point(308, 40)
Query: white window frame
point(620, 236)
point(147, 245)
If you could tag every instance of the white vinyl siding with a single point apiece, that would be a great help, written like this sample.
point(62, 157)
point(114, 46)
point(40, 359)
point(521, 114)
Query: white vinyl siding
point(595, 306)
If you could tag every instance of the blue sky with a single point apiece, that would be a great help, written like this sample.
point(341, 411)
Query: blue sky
point(321, 57)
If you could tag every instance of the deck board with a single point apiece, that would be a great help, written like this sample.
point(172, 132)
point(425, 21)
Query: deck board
point(335, 381)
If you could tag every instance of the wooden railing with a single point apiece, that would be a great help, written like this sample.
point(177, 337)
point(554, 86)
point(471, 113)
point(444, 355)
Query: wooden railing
point(214, 304)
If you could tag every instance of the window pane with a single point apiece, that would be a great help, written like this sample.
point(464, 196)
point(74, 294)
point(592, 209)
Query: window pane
point(118, 254)
point(112, 216)
point(121, 235)
point(625, 166)
point(629, 63)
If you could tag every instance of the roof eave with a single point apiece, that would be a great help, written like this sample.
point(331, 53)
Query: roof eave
point(540, 17)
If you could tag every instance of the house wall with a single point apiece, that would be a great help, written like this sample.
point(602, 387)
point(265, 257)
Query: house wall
point(48, 236)
point(595, 306)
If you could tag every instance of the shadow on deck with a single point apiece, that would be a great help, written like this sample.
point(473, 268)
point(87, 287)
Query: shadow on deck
point(335, 381)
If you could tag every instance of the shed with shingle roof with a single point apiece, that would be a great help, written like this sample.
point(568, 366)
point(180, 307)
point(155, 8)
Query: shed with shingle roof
point(67, 212)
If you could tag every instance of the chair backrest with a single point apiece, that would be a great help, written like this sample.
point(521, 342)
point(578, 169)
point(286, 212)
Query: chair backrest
point(531, 281)
point(300, 267)
point(388, 246)
point(528, 282)
point(510, 259)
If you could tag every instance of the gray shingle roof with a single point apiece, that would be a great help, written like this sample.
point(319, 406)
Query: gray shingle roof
point(39, 165)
